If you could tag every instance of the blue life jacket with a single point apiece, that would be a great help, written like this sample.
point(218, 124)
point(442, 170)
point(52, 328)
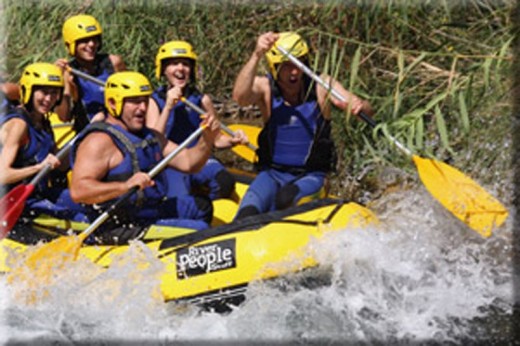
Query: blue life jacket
point(41, 143)
point(91, 95)
point(296, 139)
point(141, 153)
point(182, 121)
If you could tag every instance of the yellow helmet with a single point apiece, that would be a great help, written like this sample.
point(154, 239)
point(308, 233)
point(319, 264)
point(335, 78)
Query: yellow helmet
point(39, 74)
point(290, 41)
point(174, 49)
point(121, 85)
point(77, 28)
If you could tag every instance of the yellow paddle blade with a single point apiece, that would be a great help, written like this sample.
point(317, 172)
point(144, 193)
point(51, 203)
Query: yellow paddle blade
point(250, 131)
point(246, 152)
point(462, 196)
point(42, 267)
point(41, 262)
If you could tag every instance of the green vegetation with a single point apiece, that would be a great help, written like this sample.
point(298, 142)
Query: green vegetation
point(437, 73)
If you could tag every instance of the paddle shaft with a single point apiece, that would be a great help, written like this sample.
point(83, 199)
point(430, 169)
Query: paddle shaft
point(337, 95)
point(222, 126)
point(86, 76)
point(152, 173)
point(186, 101)
point(58, 126)
point(60, 155)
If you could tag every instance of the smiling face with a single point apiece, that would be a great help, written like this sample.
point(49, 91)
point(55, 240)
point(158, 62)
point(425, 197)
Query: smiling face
point(45, 98)
point(86, 48)
point(178, 71)
point(134, 111)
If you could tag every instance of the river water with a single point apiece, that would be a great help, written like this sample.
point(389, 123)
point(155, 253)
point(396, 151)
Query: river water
point(418, 276)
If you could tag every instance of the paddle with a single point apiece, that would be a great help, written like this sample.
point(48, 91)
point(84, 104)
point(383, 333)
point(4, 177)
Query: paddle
point(62, 125)
point(14, 202)
point(62, 249)
point(459, 194)
point(86, 76)
point(246, 151)
point(251, 131)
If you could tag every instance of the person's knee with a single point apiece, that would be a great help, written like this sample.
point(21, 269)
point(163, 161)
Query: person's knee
point(226, 183)
point(285, 196)
point(247, 211)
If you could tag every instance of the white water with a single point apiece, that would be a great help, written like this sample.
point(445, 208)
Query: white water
point(421, 275)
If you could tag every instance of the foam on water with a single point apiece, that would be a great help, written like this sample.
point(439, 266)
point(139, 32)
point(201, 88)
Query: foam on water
point(419, 275)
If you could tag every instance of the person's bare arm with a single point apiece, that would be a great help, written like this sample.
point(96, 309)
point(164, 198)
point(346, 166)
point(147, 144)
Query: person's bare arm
point(191, 160)
point(13, 136)
point(221, 141)
point(245, 90)
point(117, 62)
point(96, 155)
point(355, 103)
point(152, 114)
point(70, 92)
point(157, 120)
point(248, 88)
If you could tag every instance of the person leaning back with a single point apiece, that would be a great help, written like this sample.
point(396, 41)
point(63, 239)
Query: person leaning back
point(295, 147)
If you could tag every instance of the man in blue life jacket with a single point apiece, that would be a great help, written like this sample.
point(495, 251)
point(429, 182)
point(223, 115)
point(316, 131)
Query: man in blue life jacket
point(115, 155)
point(84, 99)
point(177, 62)
point(27, 143)
point(295, 147)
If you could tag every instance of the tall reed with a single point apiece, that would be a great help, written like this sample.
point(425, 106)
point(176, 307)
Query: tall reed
point(436, 72)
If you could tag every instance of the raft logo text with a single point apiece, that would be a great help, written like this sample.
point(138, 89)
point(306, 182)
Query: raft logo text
point(208, 258)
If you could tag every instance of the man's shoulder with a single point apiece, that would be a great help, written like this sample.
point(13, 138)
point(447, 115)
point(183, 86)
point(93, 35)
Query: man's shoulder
point(97, 137)
point(96, 144)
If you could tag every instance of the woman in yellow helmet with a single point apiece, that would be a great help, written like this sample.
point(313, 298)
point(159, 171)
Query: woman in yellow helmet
point(27, 142)
point(295, 148)
point(82, 98)
point(177, 62)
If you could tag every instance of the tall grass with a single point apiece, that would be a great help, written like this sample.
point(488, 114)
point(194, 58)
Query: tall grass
point(436, 72)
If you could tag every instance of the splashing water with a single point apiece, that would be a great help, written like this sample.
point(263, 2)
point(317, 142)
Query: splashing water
point(419, 275)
